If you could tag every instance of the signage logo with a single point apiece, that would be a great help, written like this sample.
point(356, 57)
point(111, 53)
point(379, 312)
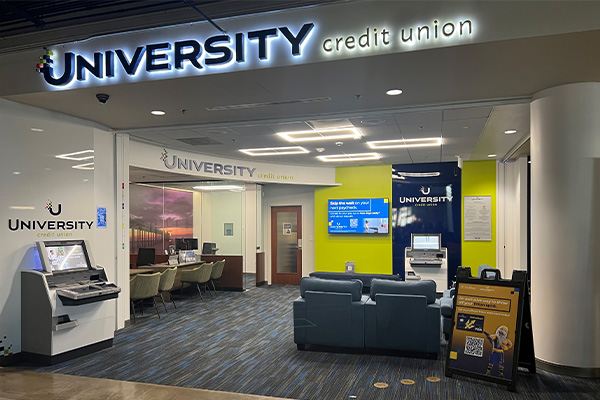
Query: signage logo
point(212, 168)
point(51, 211)
point(51, 225)
point(215, 51)
point(425, 199)
point(163, 155)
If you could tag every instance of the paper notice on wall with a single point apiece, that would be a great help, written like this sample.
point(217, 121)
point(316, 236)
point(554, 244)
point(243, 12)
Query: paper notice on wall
point(478, 218)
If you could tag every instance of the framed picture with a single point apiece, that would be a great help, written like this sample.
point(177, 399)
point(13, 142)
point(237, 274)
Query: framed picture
point(228, 229)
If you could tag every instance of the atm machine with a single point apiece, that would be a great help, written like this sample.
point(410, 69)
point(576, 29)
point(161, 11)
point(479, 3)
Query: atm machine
point(427, 258)
point(67, 308)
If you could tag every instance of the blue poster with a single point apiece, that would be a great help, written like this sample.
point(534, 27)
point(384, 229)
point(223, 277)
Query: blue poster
point(101, 217)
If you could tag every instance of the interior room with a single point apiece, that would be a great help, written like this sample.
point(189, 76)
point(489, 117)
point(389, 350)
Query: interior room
point(304, 199)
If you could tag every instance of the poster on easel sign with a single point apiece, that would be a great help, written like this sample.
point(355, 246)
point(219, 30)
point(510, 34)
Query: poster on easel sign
point(486, 328)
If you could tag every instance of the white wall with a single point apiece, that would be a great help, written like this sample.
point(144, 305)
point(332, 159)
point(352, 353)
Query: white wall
point(287, 195)
point(32, 176)
point(250, 227)
point(512, 216)
point(225, 207)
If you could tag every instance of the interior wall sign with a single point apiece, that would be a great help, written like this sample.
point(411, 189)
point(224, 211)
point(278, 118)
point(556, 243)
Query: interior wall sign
point(215, 51)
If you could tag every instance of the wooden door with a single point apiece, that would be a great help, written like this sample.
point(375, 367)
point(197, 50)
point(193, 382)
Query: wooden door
point(286, 245)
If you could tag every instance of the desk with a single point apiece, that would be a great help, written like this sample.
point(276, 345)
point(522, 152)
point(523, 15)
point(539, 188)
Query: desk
point(134, 272)
point(233, 273)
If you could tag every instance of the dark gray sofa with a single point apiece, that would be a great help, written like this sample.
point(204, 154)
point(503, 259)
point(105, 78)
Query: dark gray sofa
point(398, 315)
point(403, 316)
point(329, 312)
point(364, 278)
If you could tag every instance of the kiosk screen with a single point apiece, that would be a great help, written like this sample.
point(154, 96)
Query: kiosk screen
point(66, 256)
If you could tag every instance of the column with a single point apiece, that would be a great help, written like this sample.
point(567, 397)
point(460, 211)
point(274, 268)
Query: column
point(565, 228)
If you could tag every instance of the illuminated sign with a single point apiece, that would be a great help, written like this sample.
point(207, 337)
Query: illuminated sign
point(215, 51)
point(186, 52)
point(373, 37)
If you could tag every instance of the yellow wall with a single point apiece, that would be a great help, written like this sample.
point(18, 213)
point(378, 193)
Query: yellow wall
point(479, 179)
point(371, 253)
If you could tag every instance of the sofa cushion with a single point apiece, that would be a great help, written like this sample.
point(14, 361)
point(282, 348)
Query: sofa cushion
point(354, 286)
point(424, 288)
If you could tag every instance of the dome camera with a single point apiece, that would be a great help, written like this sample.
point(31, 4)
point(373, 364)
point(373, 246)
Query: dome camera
point(102, 98)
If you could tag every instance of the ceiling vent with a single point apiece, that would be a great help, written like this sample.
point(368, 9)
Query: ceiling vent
point(268, 104)
point(199, 141)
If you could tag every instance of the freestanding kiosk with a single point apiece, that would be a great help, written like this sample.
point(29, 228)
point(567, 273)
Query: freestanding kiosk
point(427, 258)
point(68, 308)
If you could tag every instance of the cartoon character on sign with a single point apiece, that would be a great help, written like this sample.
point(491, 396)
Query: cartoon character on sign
point(500, 343)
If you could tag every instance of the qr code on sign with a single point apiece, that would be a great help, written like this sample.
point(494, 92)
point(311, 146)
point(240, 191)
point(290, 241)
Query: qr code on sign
point(353, 223)
point(474, 346)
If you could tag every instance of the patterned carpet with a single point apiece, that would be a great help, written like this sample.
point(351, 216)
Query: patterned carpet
point(243, 342)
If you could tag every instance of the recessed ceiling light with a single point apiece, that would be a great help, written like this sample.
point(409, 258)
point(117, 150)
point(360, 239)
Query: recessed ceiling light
point(37, 129)
point(492, 155)
point(275, 151)
point(321, 134)
point(16, 173)
point(73, 156)
point(350, 157)
point(393, 92)
point(510, 131)
point(402, 143)
point(320, 149)
point(157, 112)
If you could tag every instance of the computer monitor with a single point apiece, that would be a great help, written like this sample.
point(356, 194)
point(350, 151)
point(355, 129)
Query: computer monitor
point(64, 255)
point(209, 248)
point(186, 244)
point(192, 243)
point(426, 241)
point(180, 244)
point(146, 256)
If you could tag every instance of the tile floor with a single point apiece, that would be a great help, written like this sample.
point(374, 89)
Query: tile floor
point(16, 384)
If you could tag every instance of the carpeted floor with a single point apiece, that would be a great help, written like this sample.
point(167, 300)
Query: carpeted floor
point(243, 342)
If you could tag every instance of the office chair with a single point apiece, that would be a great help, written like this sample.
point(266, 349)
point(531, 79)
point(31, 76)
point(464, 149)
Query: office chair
point(167, 280)
point(142, 287)
point(198, 276)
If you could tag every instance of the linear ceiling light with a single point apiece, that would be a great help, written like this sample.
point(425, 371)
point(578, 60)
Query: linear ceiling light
point(218, 187)
point(275, 151)
point(87, 166)
point(350, 157)
point(71, 156)
point(321, 134)
point(403, 143)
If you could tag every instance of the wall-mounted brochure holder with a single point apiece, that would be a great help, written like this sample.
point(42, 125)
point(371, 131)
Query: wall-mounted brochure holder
point(491, 332)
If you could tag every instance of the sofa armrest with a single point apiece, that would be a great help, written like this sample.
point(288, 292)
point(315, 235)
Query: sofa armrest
point(447, 306)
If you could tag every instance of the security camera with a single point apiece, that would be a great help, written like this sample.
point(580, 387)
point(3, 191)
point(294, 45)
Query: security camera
point(102, 98)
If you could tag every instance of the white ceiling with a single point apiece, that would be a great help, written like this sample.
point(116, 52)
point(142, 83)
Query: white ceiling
point(467, 95)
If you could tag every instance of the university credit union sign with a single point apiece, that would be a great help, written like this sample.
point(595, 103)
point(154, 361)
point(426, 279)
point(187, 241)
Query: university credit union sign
point(195, 50)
